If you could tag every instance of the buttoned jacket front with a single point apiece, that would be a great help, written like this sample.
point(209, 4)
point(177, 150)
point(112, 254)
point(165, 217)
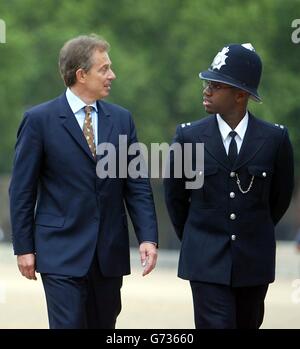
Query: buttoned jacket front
point(227, 228)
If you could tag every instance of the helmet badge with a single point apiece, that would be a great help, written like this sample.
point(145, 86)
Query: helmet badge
point(220, 58)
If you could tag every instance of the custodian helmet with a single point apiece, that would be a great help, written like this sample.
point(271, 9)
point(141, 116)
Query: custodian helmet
point(236, 65)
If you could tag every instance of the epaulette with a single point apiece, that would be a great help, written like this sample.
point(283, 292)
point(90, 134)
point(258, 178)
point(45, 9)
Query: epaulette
point(185, 124)
point(281, 126)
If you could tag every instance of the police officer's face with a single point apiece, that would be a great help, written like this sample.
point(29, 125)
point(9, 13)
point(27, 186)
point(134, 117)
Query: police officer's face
point(219, 98)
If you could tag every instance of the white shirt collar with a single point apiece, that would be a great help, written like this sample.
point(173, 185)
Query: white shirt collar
point(75, 102)
point(240, 129)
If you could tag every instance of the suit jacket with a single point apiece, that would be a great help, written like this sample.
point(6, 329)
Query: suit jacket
point(60, 209)
point(227, 236)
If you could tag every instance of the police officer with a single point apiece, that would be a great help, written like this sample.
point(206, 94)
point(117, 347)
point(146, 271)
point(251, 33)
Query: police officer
point(227, 226)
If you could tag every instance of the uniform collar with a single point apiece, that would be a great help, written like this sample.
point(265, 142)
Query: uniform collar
point(240, 129)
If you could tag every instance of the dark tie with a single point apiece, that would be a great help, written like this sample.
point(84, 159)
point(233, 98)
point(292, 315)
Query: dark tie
point(232, 152)
point(88, 129)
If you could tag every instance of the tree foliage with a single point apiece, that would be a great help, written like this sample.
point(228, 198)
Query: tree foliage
point(158, 48)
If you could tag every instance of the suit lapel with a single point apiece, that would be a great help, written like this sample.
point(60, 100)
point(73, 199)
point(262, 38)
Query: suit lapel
point(213, 143)
point(71, 125)
point(252, 143)
point(105, 124)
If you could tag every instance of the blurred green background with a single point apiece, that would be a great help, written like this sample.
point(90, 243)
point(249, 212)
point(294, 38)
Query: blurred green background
point(158, 48)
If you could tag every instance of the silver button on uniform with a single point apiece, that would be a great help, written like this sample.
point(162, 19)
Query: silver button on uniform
point(232, 174)
point(233, 237)
point(232, 195)
point(232, 216)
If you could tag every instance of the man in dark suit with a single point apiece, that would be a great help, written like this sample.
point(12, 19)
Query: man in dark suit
point(68, 224)
point(227, 226)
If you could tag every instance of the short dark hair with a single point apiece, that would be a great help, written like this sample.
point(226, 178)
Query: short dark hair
point(77, 53)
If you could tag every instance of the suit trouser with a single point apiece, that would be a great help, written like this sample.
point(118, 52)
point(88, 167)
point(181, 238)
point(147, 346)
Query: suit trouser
point(92, 301)
point(225, 307)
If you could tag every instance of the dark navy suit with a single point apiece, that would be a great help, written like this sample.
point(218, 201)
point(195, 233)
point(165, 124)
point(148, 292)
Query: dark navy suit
point(227, 236)
point(60, 209)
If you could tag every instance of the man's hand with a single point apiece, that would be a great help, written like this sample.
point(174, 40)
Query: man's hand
point(148, 254)
point(26, 265)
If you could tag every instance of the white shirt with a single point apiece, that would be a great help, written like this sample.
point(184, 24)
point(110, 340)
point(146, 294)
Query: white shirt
point(225, 129)
point(77, 105)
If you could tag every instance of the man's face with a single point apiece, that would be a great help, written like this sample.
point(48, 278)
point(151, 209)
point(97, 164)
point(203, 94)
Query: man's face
point(99, 77)
point(219, 98)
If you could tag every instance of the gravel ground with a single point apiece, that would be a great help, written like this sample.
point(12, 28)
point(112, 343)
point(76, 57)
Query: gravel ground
point(158, 301)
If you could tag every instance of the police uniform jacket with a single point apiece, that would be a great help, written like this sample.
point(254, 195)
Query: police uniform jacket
point(227, 236)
